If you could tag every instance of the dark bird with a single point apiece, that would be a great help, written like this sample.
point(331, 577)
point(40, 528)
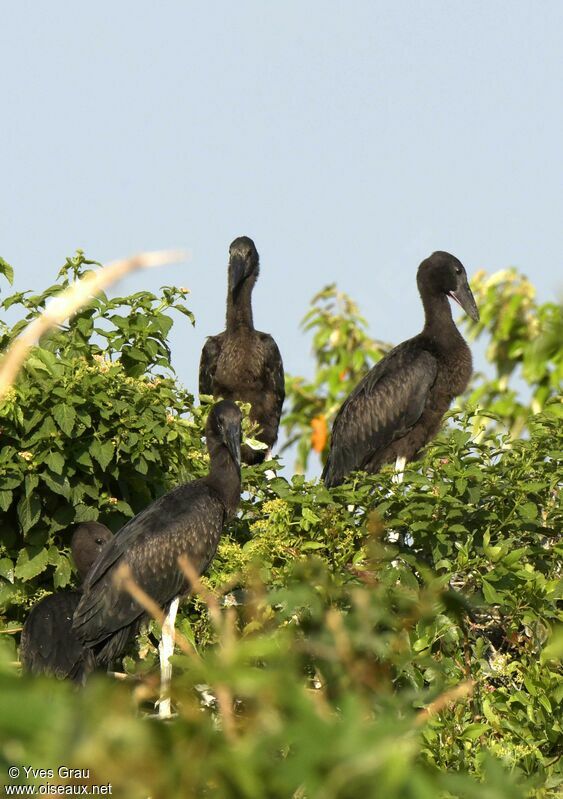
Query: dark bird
point(188, 520)
point(398, 406)
point(48, 643)
point(242, 363)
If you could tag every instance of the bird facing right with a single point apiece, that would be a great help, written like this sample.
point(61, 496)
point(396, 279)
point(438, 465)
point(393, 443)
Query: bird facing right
point(396, 409)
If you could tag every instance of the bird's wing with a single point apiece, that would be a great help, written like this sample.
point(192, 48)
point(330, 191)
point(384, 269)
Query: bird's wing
point(187, 520)
point(208, 364)
point(384, 406)
point(274, 374)
point(48, 643)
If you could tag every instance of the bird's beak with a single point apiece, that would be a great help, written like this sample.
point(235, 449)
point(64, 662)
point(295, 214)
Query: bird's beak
point(464, 297)
point(237, 272)
point(232, 441)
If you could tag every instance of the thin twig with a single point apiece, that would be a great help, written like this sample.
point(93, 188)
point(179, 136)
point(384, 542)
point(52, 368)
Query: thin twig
point(452, 695)
point(225, 702)
point(226, 637)
point(333, 620)
point(70, 300)
point(124, 580)
point(197, 587)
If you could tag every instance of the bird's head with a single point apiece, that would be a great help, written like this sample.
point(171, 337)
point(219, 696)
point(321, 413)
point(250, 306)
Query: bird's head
point(224, 427)
point(244, 264)
point(88, 540)
point(443, 273)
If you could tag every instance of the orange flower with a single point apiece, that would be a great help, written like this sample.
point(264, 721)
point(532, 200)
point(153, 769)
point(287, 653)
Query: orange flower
point(319, 434)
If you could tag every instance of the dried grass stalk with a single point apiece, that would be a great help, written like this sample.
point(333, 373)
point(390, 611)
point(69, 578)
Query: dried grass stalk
point(69, 301)
point(125, 580)
point(460, 691)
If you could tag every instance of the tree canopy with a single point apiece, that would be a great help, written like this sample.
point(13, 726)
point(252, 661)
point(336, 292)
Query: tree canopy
point(371, 640)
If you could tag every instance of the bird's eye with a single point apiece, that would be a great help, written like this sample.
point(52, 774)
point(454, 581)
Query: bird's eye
point(458, 270)
point(99, 541)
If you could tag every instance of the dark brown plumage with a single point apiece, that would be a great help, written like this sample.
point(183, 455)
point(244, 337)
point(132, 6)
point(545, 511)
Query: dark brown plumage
point(188, 521)
point(242, 363)
point(398, 406)
point(48, 643)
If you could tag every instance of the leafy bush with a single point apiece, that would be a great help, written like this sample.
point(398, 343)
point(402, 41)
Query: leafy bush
point(343, 353)
point(372, 640)
point(524, 346)
point(525, 342)
point(92, 430)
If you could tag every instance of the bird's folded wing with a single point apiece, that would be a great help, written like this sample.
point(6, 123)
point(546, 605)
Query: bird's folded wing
point(275, 379)
point(49, 644)
point(183, 521)
point(383, 407)
point(208, 364)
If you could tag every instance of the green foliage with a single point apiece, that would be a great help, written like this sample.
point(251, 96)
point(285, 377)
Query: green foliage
point(343, 354)
point(524, 342)
point(93, 429)
point(372, 640)
point(7, 270)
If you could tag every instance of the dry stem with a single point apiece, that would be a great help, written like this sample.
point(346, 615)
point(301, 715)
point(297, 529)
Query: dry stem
point(452, 695)
point(197, 587)
point(69, 301)
point(124, 579)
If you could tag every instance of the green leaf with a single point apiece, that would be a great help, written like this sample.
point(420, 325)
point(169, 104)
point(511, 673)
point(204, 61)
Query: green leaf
point(35, 363)
point(253, 443)
point(103, 453)
point(474, 731)
point(84, 513)
point(57, 483)
point(64, 416)
point(27, 568)
point(554, 649)
point(7, 271)
point(55, 462)
point(491, 594)
point(5, 499)
point(63, 573)
point(7, 569)
point(29, 511)
point(528, 511)
point(30, 483)
point(309, 515)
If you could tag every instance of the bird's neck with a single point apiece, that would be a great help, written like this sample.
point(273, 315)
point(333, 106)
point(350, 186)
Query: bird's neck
point(224, 478)
point(239, 309)
point(438, 321)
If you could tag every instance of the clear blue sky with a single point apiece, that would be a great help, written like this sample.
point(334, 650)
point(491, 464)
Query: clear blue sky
point(349, 140)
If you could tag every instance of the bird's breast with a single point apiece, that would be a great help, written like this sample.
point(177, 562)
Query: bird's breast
point(455, 369)
point(240, 364)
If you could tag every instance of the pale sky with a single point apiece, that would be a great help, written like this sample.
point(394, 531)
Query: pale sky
point(349, 140)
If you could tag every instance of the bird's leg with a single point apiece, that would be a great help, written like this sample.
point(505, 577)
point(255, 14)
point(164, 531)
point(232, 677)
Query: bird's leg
point(392, 536)
point(399, 469)
point(269, 474)
point(166, 650)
